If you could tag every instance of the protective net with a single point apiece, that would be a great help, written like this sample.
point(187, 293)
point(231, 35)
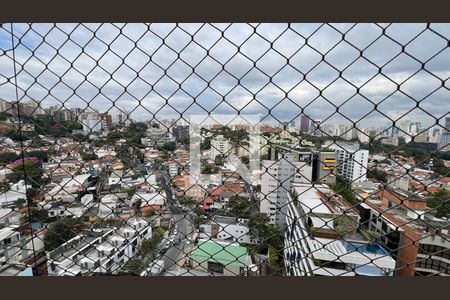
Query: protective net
point(224, 149)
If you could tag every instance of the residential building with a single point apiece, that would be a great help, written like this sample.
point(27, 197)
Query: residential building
point(322, 237)
point(218, 257)
point(17, 244)
point(157, 137)
point(393, 141)
point(17, 191)
point(228, 229)
point(276, 182)
point(107, 206)
point(180, 133)
point(419, 242)
point(103, 250)
point(351, 161)
point(92, 123)
point(173, 169)
point(219, 146)
point(305, 122)
point(444, 143)
point(120, 119)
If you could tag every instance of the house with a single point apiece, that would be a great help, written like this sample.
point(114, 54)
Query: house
point(149, 201)
point(227, 259)
point(17, 191)
point(228, 229)
point(68, 186)
point(103, 250)
point(107, 206)
point(18, 245)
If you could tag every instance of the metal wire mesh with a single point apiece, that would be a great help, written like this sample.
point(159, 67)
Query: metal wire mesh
point(132, 149)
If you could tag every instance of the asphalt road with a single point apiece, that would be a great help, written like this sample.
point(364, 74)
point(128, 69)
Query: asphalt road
point(176, 252)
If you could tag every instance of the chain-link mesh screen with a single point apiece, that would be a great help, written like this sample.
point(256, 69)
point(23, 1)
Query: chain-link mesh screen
point(225, 149)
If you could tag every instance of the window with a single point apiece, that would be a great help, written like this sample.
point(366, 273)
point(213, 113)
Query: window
point(215, 267)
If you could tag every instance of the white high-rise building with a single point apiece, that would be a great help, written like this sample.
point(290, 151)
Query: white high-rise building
point(276, 182)
point(444, 143)
point(120, 119)
point(92, 123)
point(352, 162)
point(219, 146)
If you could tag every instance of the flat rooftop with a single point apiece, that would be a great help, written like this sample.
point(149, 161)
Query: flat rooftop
point(399, 217)
point(320, 199)
point(224, 253)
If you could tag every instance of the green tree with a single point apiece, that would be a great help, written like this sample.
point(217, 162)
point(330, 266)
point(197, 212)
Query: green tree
point(87, 156)
point(7, 157)
point(440, 201)
point(31, 193)
point(71, 125)
point(170, 146)
point(210, 170)
point(219, 160)
point(32, 170)
point(57, 130)
point(440, 168)
point(239, 205)
point(344, 189)
point(37, 142)
point(36, 215)
point(378, 174)
point(61, 231)
point(4, 187)
point(79, 137)
point(266, 233)
point(145, 247)
point(42, 155)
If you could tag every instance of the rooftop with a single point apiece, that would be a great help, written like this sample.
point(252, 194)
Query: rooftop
point(224, 253)
point(399, 217)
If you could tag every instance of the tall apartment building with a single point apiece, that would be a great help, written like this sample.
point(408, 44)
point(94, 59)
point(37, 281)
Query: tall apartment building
point(5, 106)
point(447, 123)
point(444, 143)
point(351, 161)
point(323, 239)
point(419, 243)
point(64, 115)
point(323, 162)
point(157, 136)
point(92, 123)
point(305, 123)
point(35, 108)
point(219, 146)
point(276, 182)
point(120, 119)
point(180, 132)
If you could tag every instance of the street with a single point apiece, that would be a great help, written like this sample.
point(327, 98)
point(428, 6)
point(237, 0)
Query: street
point(175, 253)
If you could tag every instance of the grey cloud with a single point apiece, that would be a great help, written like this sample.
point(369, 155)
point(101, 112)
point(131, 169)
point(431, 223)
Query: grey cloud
point(132, 83)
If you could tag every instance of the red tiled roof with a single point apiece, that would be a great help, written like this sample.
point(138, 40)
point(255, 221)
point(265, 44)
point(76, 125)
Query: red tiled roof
point(445, 180)
point(207, 200)
point(217, 191)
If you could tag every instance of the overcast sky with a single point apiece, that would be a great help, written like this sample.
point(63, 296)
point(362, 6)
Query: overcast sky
point(165, 71)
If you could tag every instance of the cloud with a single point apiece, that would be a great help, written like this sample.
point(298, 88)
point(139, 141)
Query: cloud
point(335, 71)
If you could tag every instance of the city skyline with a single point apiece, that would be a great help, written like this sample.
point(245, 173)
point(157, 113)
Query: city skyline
point(138, 78)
